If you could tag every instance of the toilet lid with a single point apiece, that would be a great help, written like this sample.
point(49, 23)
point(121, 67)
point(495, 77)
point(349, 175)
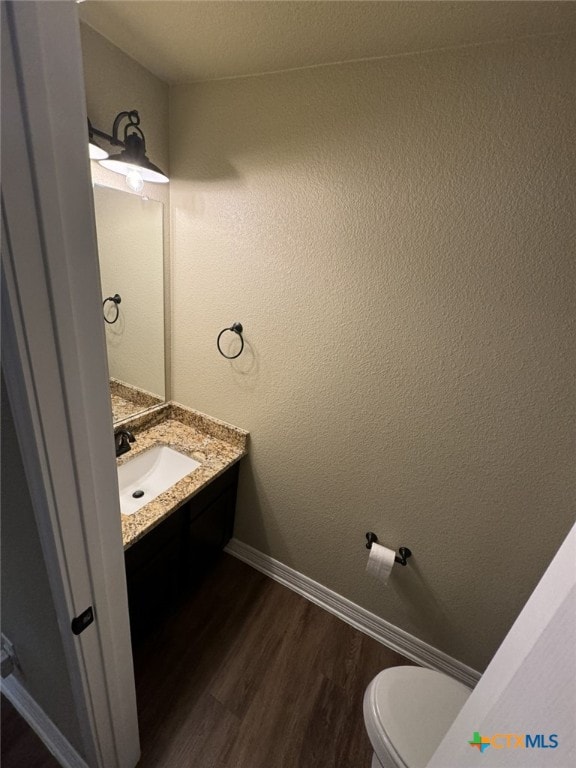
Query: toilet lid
point(408, 711)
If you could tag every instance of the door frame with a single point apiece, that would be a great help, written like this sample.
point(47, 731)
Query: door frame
point(55, 366)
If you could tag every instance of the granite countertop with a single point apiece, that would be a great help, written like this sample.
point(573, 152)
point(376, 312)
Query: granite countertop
point(215, 444)
point(128, 400)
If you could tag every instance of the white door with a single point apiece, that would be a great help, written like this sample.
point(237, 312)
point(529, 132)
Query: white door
point(54, 363)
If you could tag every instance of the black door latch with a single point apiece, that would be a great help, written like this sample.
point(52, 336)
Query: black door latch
point(80, 623)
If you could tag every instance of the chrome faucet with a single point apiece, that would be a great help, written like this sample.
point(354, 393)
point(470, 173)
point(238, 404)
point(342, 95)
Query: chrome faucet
point(122, 439)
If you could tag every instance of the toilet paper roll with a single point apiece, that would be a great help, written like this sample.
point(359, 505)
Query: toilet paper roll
point(380, 562)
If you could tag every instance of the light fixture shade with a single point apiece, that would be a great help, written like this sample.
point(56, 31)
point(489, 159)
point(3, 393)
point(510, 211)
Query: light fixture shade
point(133, 157)
point(96, 152)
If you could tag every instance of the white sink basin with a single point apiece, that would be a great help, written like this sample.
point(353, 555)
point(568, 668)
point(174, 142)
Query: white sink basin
point(149, 474)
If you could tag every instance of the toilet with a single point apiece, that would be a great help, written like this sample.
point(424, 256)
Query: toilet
point(407, 712)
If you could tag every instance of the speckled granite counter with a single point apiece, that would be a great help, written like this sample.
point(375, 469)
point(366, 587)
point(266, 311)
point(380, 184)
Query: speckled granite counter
point(215, 444)
point(128, 400)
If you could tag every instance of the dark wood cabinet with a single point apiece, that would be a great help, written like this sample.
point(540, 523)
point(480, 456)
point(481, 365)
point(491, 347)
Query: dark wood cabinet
point(171, 558)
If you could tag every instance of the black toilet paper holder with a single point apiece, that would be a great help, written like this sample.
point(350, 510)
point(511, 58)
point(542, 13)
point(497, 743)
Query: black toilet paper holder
point(403, 552)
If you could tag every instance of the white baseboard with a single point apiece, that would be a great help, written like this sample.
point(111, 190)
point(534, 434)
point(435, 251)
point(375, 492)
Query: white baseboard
point(381, 630)
point(41, 724)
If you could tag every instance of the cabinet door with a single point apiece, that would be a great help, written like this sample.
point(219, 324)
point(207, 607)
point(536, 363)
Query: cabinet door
point(209, 531)
point(153, 589)
point(152, 574)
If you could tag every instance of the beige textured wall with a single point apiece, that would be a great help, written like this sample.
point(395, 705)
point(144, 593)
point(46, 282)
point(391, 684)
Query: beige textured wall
point(397, 238)
point(114, 82)
point(28, 616)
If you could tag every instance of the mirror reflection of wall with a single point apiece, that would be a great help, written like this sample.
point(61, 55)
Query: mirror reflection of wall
point(130, 247)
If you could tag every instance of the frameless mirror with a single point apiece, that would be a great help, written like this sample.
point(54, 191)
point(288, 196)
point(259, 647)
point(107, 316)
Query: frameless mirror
point(131, 254)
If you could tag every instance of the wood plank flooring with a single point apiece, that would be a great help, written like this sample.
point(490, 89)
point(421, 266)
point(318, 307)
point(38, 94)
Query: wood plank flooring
point(20, 747)
point(249, 674)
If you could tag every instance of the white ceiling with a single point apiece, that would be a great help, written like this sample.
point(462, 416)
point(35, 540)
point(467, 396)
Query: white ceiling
point(188, 41)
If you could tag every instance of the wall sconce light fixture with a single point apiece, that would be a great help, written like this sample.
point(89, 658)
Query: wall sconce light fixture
point(131, 161)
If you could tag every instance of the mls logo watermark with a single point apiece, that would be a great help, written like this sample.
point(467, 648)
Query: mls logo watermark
point(514, 741)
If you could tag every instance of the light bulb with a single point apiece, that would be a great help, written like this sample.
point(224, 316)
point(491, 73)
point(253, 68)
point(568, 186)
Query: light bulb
point(135, 181)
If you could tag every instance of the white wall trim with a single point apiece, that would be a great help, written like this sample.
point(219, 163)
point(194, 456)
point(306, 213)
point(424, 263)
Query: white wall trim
point(381, 630)
point(41, 724)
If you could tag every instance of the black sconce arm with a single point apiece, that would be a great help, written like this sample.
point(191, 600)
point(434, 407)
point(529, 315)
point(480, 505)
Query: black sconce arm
point(133, 122)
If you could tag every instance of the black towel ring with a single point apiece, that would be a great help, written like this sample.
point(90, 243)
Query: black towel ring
point(116, 299)
point(235, 328)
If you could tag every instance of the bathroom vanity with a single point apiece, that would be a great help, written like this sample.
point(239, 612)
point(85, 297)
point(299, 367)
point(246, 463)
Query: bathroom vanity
point(170, 541)
point(176, 527)
point(164, 563)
